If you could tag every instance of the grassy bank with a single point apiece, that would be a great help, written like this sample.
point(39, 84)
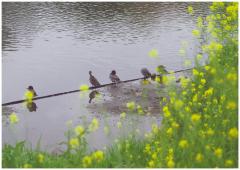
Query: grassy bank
point(200, 125)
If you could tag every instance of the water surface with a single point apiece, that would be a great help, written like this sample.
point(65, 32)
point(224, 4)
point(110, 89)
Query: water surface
point(53, 45)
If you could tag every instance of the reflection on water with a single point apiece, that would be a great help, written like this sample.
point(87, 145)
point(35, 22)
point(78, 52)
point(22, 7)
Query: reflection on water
point(31, 106)
point(52, 45)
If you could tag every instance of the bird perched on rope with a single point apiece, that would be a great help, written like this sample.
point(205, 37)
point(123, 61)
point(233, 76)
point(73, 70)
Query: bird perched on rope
point(161, 69)
point(93, 80)
point(113, 77)
point(146, 73)
point(31, 89)
point(92, 95)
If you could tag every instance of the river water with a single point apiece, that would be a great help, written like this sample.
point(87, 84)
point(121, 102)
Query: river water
point(53, 45)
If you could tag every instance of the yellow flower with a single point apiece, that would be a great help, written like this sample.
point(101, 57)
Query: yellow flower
point(203, 81)
point(106, 130)
point(84, 87)
point(94, 125)
point(231, 105)
point(79, 130)
point(208, 92)
point(207, 67)
point(145, 82)
point(190, 10)
point(27, 166)
point(233, 133)
point(155, 128)
point(218, 152)
point(200, 22)
point(13, 118)
point(98, 155)
point(29, 95)
point(196, 33)
point(232, 76)
point(207, 147)
point(178, 104)
point(213, 71)
point(210, 132)
point(87, 161)
point(170, 131)
point(183, 143)
point(196, 117)
point(167, 113)
point(199, 57)
point(139, 109)
point(170, 164)
point(229, 163)
point(119, 124)
point(227, 27)
point(199, 157)
point(175, 125)
point(195, 72)
point(195, 98)
point(131, 105)
point(40, 158)
point(151, 164)
point(122, 115)
point(154, 156)
point(147, 149)
point(74, 143)
point(153, 53)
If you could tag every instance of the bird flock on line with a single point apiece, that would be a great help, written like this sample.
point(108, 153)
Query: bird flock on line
point(114, 78)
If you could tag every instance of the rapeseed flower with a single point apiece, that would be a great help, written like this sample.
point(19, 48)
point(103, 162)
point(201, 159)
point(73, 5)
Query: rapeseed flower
point(199, 157)
point(170, 164)
point(87, 161)
point(13, 118)
point(166, 112)
point(229, 163)
point(190, 10)
point(131, 106)
point(98, 155)
point(233, 133)
point(84, 87)
point(183, 143)
point(153, 53)
point(196, 33)
point(123, 115)
point(79, 130)
point(74, 142)
point(94, 125)
point(27, 166)
point(40, 158)
point(195, 117)
point(218, 152)
point(231, 105)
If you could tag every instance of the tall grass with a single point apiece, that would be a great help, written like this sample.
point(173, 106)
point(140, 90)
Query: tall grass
point(200, 125)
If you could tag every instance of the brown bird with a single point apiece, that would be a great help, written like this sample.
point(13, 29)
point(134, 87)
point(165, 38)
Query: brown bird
point(31, 89)
point(146, 73)
point(93, 80)
point(92, 95)
point(113, 77)
point(162, 69)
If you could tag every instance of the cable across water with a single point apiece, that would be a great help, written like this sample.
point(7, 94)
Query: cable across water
point(90, 88)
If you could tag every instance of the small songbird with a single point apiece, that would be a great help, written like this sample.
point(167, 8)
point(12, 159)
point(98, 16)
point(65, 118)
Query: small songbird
point(93, 80)
point(92, 95)
point(146, 73)
point(161, 69)
point(113, 77)
point(31, 89)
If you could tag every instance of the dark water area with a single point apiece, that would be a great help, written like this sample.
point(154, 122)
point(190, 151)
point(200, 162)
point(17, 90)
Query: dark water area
point(53, 45)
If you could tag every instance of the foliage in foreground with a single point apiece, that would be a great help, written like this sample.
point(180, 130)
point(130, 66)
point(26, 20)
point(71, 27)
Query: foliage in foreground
point(200, 125)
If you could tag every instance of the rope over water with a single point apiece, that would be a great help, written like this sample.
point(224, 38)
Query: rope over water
point(90, 88)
